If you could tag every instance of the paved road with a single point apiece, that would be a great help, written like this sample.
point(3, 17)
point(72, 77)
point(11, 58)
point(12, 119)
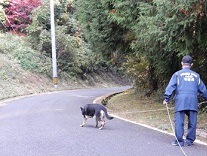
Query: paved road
point(48, 125)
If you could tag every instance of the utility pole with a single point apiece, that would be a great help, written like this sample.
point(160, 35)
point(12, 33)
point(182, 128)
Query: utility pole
point(54, 59)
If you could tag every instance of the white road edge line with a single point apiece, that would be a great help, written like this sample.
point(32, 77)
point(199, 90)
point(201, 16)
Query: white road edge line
point(99, 99)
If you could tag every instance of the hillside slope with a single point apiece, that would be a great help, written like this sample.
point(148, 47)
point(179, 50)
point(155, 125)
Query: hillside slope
point(15, 81)
point(24, 70)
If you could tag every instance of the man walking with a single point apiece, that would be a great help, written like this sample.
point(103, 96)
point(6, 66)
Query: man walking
point(186, 84)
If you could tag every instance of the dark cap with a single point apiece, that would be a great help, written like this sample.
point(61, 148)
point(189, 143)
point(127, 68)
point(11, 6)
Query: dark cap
point(187, 59)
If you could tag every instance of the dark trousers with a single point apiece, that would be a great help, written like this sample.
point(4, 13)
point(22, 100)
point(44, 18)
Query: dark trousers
point(179, 125)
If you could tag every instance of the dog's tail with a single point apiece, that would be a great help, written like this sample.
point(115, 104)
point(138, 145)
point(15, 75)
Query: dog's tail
point(107, 116)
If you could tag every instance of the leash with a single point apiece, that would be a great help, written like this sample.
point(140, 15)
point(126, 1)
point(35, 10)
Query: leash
point(155, 110)
point(173, 129)
point(202, 103)
point(145, 111)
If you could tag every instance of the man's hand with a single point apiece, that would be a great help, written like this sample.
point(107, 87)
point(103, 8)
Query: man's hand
point(164, 102)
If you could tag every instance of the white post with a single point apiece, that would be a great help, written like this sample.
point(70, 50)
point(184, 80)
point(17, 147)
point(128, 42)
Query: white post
point(54, 60)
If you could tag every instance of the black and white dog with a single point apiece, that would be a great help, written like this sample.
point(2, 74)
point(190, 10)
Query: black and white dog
point(95, 110)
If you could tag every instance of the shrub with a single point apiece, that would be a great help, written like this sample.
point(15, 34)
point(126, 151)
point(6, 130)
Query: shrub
point(73, 54)
point(18, 14)
point(20, 50)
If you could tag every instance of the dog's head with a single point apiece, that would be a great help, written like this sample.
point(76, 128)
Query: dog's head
point(83, 111)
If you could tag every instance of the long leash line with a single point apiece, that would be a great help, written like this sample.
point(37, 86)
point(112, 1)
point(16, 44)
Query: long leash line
point(174, 130)
point(145, 111)
point(155, 110)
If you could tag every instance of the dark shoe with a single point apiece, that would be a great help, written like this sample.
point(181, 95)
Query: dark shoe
point(175, 143)
point(188, 143)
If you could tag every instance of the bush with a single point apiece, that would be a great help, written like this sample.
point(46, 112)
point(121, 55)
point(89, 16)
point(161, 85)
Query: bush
point(18, 14)
point(73, 54)
point(138, 69)
point(20, 50)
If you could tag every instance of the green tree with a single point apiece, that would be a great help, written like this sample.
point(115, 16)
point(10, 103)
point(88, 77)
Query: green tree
point(102, 30)
point(167, 30)
point(156, 32)
point(73, 54)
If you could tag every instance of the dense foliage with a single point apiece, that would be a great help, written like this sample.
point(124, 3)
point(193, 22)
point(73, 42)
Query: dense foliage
point(73, 54)
point(106, 36)
point(21, 51)
point(3, 4)
point(147, 38)
point(16, 14)
point(153, 34)
point(166, 31)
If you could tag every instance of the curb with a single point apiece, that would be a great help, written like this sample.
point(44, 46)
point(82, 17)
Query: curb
point(101, 98)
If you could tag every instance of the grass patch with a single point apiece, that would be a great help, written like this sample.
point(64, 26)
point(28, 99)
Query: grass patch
point(138, 108)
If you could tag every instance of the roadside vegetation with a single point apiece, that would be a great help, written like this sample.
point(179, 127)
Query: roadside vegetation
point(24, 71)
point(25, 51)
point(144, 39)
point(149, 37)
point(144, 110)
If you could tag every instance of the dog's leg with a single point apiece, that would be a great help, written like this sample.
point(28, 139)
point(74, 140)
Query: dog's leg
point(102, 125)
point(84, 122)
point(96, 118)
point(102, 120)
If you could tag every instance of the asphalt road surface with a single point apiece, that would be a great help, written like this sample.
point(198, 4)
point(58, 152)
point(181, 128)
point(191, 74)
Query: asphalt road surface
point(48, 125)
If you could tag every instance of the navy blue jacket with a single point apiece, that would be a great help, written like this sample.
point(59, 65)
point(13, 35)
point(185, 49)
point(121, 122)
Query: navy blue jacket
point(187, 85)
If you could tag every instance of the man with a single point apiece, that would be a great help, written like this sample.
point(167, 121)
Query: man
point(186, 84)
